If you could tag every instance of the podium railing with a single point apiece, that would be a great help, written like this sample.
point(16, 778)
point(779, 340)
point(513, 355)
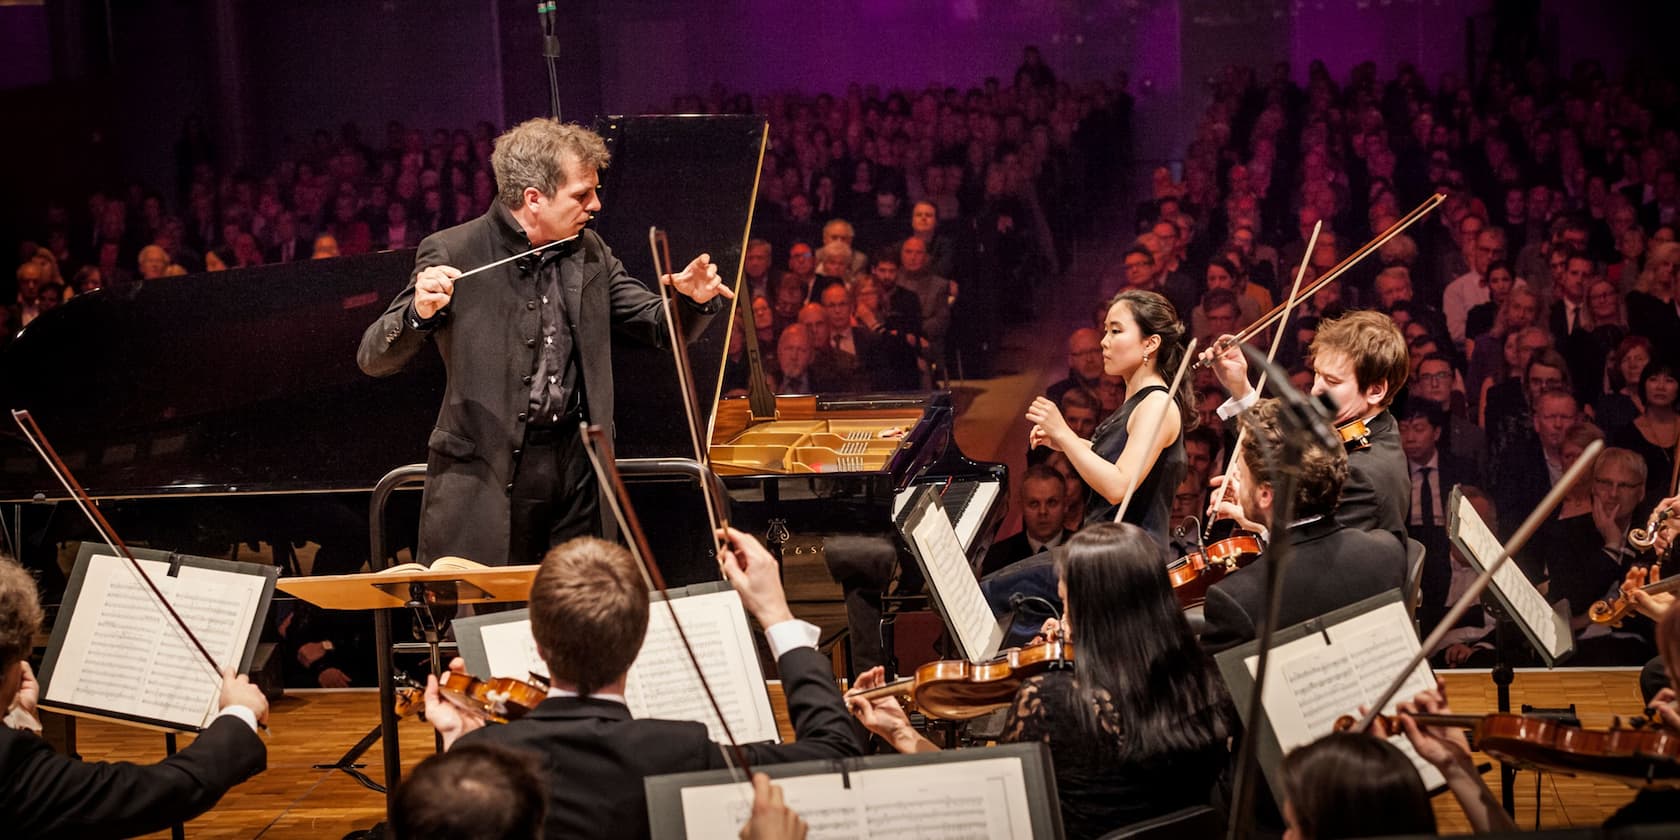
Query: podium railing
point(412, 476)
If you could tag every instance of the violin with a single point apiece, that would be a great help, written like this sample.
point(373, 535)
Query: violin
point(497, 700)
point(1615, 611)
point(1355, 435)
point(957, 689)
point(1192, 574)
point(1638, 754)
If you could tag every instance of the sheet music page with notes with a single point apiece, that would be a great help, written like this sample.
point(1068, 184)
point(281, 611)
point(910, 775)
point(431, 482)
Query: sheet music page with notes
point(945, 801)
point(1529, 606)
point(662, 683)
point(1322, 676)
point(953, 583)
point(123, 654)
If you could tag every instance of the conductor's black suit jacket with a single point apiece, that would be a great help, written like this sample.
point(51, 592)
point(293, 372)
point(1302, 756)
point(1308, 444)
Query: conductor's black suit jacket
point(488, 338)
point(594, 755)
point(46, 794)
point(1331, 566)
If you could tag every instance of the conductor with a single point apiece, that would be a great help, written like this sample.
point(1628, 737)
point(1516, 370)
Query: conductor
point(526, 347)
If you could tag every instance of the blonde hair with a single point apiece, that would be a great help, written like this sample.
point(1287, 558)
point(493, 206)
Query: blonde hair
point(1374, 345)
point(589, 612)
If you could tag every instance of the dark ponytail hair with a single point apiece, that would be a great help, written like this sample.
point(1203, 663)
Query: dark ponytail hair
point(1155, 315)
point(1135, 644)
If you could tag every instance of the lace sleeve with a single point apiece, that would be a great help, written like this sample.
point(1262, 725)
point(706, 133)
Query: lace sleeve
point(1026, 719)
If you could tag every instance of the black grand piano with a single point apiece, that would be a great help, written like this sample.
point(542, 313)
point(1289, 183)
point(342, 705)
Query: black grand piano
point(217, 410)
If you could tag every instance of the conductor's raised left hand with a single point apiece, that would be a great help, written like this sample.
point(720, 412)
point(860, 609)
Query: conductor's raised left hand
point(700, 281)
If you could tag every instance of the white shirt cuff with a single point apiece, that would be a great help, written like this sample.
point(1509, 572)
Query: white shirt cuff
point(784, 636)
point(22, 720)
point(244, 714)
point(1233, 406)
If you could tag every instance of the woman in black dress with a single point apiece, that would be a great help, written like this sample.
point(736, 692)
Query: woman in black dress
point(1654, 433)
point(1138, 727)
point(1143, 341)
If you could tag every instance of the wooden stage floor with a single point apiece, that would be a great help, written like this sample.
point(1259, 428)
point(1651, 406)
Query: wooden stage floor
point(292, 800)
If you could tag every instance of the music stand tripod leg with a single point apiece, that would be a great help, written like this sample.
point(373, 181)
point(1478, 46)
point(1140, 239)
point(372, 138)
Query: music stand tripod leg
point(431, 632)
point(350, 766)
point(1503, 675)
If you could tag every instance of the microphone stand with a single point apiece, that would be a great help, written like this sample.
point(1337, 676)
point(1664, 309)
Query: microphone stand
point(1308, 427)
point(549, 16)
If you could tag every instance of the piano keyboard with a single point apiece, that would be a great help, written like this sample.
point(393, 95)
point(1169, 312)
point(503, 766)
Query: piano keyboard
point(966, 504)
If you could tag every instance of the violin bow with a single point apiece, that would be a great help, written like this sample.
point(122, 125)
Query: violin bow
point(1155, 427)
point(599, 447)
point(1277, 341)
point(38, 439)
point(660, 244)
point(1472, 595)
point(1329, 277)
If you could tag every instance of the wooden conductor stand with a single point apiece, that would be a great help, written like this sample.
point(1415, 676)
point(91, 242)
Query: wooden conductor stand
point(421, 591)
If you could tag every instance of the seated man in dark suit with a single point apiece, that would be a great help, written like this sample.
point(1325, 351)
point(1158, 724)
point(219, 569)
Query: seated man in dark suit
point(43, 793)
point(589, 613)
point(1022, 564)
point(1434, 474)
point(1330, 565)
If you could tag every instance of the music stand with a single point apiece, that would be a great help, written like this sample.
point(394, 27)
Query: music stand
point(1512, 601)
point(420, 591)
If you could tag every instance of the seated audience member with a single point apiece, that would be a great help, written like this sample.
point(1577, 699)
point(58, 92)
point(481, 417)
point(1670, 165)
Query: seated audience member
point(1621, 402)
point(879, 366)
point(472, 792)
point(1653, 434)
point(44, 793)
point(1470, 644)
point(1461, 438)
point(1331, 566)
point(1073, 503)
point(1479, 320)
point(1532, 465)
point(1216, 315)
point(1122, 754)
point(1433, 478)
point(1085, 364)
point(793, 360)
point(898, 308)
point(790, 296)
point(589, 613)
point(832, 370)
point(1586, 556)
point(1201, 452)
point(834, 262)
point(1509, 408)
point(1222, 275)
point(326, 247)
point(1042, 496)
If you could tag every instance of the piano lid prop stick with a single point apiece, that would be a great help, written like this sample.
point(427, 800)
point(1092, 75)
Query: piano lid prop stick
point(1155, 427)
point(660, 244)
point(1473, 595)
point(1260, 385)
point(60, 470)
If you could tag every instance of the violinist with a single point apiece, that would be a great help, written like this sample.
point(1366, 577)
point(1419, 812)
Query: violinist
point(589, 613)
point(1139, 725)
point(1360, 361)
point(1331, 564)
point(1142, 337)
point(43, 792)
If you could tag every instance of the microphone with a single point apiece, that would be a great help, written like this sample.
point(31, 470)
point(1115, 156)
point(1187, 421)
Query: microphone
point(1019, 598)
point(1312, 413)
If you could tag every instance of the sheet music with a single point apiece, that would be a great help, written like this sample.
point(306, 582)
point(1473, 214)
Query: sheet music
point(1318, 678)
point(952, 580)
point(984, 799)
point(662, 683)
point(1528, 605)
point(123, 654)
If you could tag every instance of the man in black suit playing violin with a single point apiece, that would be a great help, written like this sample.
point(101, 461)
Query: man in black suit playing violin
point(1360, 361)
point(1331, 564)
point(589, 612)
point(527, 348)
